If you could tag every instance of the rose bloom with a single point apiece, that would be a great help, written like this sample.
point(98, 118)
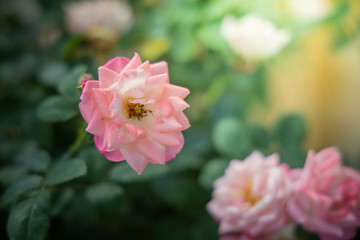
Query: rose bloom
point(253, 37)
point(86, 16)
point(134, 112)
point(250, 198)
point(326, 197)
point(310, 10)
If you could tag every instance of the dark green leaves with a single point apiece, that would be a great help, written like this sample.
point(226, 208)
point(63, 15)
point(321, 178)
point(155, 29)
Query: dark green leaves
point(211, 171)
point(24, 184)
point(38, 161)
point(56, 109)
point(102, 192)
point(64, 107)
point(123, 173)
point(66, 170)
point(29, 218)
point(68, 85)
point(290, 129)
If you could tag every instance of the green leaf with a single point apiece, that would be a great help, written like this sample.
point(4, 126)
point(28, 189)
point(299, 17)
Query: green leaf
point(124, 173)
point(186, 160)
point(24, 184)
point(66, 170)
point(95, 162)
point(61, 200)
point(56, 109)
point(230, 137)
point(211, 171)
point(290, 129)
point(180, 192)
point(29, 218)
point(293, 155)
point(68, 85)
point(260, 138)
point(9, 175)
point(103, 192)
point(38, 161)
point(51, 72)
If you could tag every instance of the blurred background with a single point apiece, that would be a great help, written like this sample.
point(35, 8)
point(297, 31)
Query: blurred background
point(275, 76)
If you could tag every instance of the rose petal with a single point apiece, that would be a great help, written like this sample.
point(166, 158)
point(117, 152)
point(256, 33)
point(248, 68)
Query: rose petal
point(117, 64)
point(159, 68)
point(107, 77)
point(135, 159)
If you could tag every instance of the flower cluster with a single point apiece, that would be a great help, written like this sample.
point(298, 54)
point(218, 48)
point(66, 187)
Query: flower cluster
point(258, 197)
point(134, 113)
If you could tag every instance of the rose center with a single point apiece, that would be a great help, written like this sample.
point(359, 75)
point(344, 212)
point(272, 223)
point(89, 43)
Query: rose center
point(137, 110)
point(249, 197)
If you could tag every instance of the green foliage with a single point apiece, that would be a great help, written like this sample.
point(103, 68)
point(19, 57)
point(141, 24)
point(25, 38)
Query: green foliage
point(103, 192)
point(290, 129)
point(213, 169)
point(56, 109)
point(123, 173)
point(29, 218)
point(231, 137)
point(38, 161)
point(22, 185)
point(69, 84)
point(66, 170)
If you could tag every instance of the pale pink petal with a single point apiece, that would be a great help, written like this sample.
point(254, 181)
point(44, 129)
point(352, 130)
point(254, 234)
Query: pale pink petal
point(172, 151)
point(173, 90)
point(165, 108)
point(88, 104)
point(145, 66)
point(183, 120)
point(101, 101)
point(107, 77)
point(166, 139)
point(96, 124)
point(154, 151)
point(135, 93)
point(114, 156)
point(178, 104)
point(111, 137)
point(134, 63)
point(154, 86)
point(133, 78)
point(135, 159)
point(99, 144)
point(159, 68)
point(116, 108)
point(167, 125)
point(117, 64)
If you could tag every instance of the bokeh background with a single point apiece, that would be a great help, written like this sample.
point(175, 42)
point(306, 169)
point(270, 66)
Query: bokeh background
point(305, 97)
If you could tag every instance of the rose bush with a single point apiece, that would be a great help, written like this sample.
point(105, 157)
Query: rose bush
point(134, 112)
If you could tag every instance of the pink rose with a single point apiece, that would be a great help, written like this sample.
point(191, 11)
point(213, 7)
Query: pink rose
point(250, 198)
point(134, 112)
point(326, 197)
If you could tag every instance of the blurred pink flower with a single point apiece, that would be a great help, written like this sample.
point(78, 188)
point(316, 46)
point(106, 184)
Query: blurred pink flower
point(86, 15)
point(250, 198)
point(134, 112)
point(326, 197)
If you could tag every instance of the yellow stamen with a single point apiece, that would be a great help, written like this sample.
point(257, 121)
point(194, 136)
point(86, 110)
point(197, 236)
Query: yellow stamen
point(137, 110)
